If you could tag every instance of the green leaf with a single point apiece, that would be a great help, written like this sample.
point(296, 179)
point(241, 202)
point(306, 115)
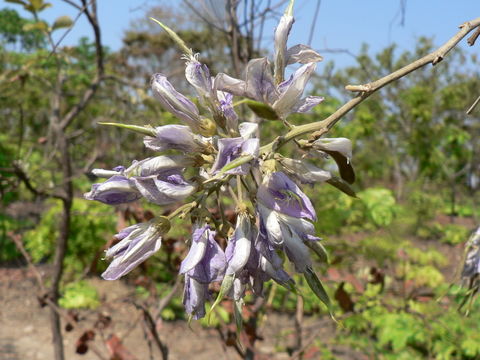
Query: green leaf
point(20, 2)
point(316, 286)
point(262, 110)
point(40, 25)
point(64, 21)
point(318, 248)
point(344, 166)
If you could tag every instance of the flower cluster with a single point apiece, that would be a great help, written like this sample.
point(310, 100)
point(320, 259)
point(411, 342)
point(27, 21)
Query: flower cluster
point(274, 217)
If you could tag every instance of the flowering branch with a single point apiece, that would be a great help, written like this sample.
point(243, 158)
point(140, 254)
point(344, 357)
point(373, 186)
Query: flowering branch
point(320, 127)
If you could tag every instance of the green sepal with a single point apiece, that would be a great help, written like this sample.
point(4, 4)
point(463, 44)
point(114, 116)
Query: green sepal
point(237, 314)
point(342, 185)
point(318, 249)
point(262, 110)
point(175, 38)
point(145, 130)
point(224, 288)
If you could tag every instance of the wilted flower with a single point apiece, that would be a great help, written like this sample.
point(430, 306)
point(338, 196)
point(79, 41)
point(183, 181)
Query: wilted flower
point(137, 243)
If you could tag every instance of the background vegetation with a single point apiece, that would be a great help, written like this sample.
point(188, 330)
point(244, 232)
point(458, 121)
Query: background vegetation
point(395, 251)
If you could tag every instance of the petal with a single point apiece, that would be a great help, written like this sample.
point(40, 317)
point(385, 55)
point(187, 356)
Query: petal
point(174, 102)
point(198, 75)
point(306, 104)
point(279, 193)
point(248, 130)
point(139, 245)
point(304, 171)
point(230, 149)
point(116, 190)
point(197, 249)
point(175, 137)
point(302, 54)
point(194, 296)
point(259, 83)
point(163, 190)
point(239, 245)
point(292, 91)
point(227, 83)
point(281, 36)
point(158, 164)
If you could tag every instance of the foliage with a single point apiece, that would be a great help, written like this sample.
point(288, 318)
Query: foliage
point(78, 295)
point(92, 224)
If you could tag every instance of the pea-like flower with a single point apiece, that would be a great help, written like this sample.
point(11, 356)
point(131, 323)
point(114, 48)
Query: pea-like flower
point(137, 243)
point(176, 137)
point(281, 194)
point(116, 190)
point(204, 263)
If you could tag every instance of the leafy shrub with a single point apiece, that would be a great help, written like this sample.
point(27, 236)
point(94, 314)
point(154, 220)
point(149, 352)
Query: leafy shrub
point(79, 294)
point(91, 222)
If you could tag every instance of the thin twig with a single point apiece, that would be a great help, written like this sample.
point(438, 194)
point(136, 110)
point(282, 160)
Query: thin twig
point(475, 103)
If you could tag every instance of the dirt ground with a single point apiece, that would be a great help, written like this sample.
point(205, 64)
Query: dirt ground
point(25, 330)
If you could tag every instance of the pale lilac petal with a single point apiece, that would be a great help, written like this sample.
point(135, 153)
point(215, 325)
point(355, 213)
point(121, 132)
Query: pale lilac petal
point(200, 237)
point(237, 87)
point(279, 193)
point(306, 104)
point(198, 75)
point(230, 149)
point(280, 43)
point(259, 83)
point(304, 172)
point(174, 102)
point(158, 164)
point(226, 108)
point(292, 93)
point(302, 54)
point(174, 137)
point(116, 190)
point(248, 130)
point(239, 245)
point(341, 145)
point(139, 243)
point(164, 189)
point(213, 264)
point(102, 173)
point(194, 296)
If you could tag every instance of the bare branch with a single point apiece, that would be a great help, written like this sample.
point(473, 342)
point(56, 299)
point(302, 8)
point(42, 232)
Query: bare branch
point(475, 103)
point(471, 40)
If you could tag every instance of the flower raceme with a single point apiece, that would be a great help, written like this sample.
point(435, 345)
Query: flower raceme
point(211, 153)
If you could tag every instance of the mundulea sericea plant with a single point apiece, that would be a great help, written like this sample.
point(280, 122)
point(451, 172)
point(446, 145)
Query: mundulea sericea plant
point(274, 217)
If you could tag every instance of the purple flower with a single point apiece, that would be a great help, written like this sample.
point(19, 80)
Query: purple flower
point(289, 233)
point(281, 194)
point(204, 263)
point(175, 137)
point(174, 102)
point(230, 149)
point(280, 42)
point(137, 243)
point(116, 190)
point(304, 172)
point(165, 187)
point(239, 244)
point(284, 99)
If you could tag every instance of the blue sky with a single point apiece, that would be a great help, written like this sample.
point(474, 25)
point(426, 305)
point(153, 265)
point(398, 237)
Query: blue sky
point(341, 24)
